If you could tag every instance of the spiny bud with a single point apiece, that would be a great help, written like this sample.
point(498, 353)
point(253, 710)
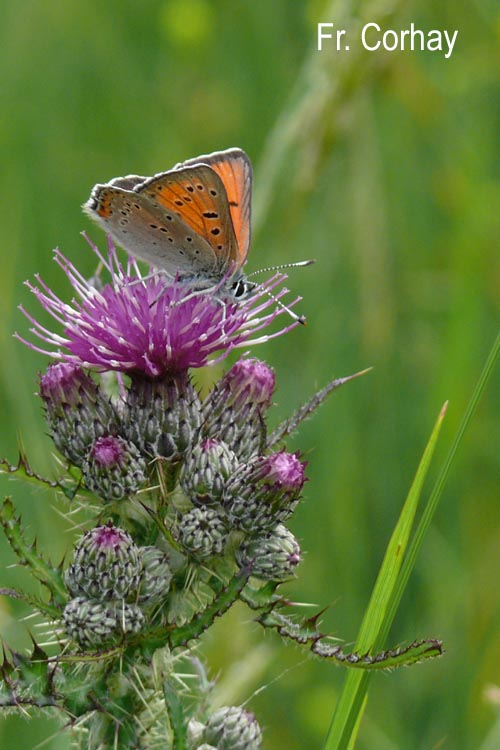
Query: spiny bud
point(76, 410)
point(89, 622)
point(162, 416)
point(195, 731)
point(206, 470)
point(249, 381)
point(106, 565)
point(113, 468)
point(93, 624)
point(233, 728)
point(234, 410)
point(272, 557)
point(203, 532)
point(264, 492)
point(156, 574)
point(130, 618)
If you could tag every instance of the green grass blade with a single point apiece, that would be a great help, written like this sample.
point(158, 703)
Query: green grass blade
point(350, 706)
point(376, 614)
point(437, 490)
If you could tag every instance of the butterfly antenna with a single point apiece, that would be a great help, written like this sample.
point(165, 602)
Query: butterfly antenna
point(282, 267)
point(299, 318)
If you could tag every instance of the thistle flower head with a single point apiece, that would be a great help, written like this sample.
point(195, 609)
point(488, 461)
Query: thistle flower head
point(142, 324)
point(283, 470)
point(106, 565)
point(233, 728)
point(114, 468)
point(249, 381)
point(162, 417)
point(234, 411)
point(108, 452)
point(65, 384)
point(202, 532)
point(273, 556)
point(265, 491)
point(94, 623)
point(206, 470)
point(77, 411)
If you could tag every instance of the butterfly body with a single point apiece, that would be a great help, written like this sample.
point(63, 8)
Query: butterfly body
point(191, 222)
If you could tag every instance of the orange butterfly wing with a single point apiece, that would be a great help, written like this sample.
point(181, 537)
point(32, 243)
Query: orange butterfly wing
point(196, 194)
point(235, 170)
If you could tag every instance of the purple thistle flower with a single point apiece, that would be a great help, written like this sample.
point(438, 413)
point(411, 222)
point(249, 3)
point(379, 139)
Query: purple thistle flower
point(108, 451)
point(283, 470)
point(141, 324)
point(248, 381)
point(63, 384)
point(109, 537)
point(265, 491)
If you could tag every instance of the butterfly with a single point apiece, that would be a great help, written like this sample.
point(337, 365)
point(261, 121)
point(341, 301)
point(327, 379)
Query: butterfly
point(192, 222)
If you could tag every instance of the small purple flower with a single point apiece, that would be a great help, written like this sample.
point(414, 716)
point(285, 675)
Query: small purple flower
point(109, 537)
point(64, 384)
point(264, 492)
point(234, 410)
point(249, 381)
point(77, 411)
point(108, 452)
point(282, 469)
point(142, 324)
point(114, 468)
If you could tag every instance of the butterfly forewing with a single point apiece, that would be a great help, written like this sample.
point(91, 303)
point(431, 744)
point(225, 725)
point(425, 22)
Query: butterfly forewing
point(235, 170)
point(127, 183)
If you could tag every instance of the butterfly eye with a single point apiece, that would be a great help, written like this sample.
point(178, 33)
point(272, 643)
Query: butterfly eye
point(241, 288)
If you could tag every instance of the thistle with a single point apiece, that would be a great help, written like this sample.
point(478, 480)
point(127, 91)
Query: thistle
point(191, 499)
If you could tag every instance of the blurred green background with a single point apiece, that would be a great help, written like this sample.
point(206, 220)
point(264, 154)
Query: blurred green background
point(383, 167)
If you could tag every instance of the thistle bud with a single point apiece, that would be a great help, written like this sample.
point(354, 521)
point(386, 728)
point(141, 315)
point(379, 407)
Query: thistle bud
point(88, 622)
point(113, 468)
point(195, 731)
point(93, 623)
point(130, 618)
point(206, 471)
point(234, 410)
point(264, 492)
point(203, 532)
point(272, 557)
point(233, 728)
point(106, 565)
point(162, 416)
point(249, 381)
point(156, 574)
point(76, 410)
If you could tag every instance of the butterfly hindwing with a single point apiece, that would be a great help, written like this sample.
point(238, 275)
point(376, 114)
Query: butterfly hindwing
point(148, 232)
